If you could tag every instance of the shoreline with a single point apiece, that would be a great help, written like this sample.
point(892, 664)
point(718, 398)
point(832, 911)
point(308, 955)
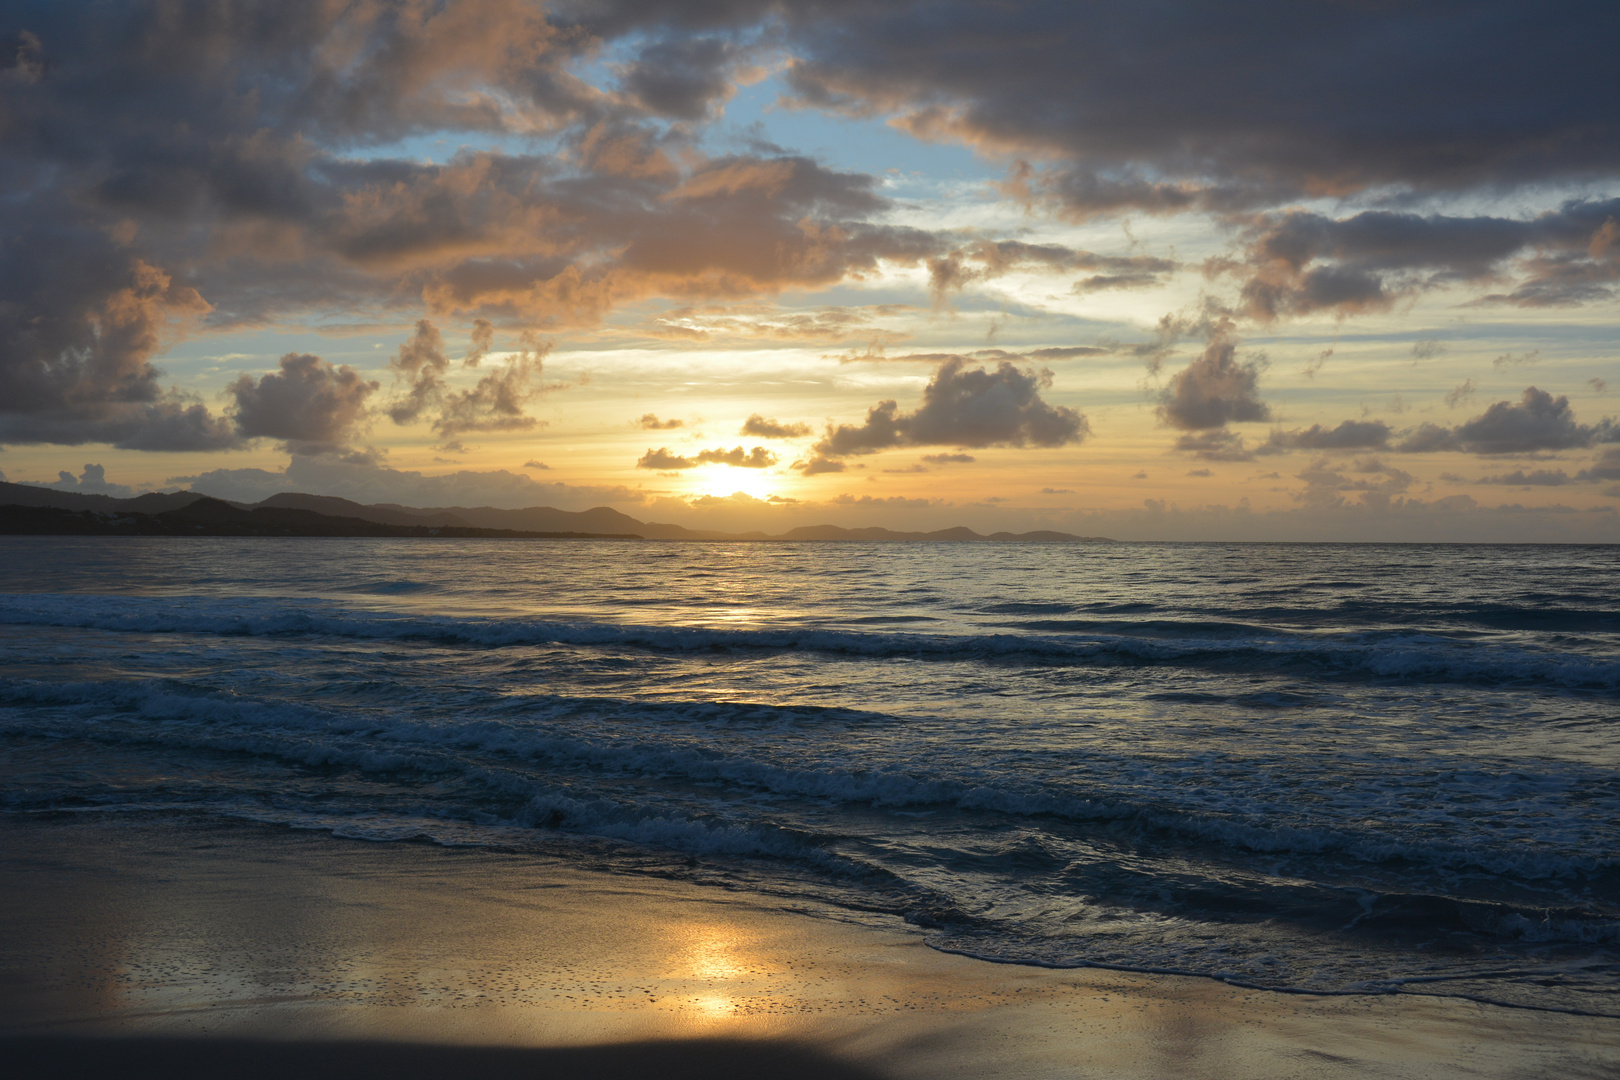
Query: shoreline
point(210, 935)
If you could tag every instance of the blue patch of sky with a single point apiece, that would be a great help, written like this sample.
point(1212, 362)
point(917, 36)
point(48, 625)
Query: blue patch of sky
point(853, 144)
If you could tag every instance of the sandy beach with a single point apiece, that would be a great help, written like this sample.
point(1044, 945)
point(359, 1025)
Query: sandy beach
point(164, 947)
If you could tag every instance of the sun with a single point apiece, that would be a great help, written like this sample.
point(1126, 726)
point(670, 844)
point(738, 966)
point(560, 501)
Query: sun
point(720, 482)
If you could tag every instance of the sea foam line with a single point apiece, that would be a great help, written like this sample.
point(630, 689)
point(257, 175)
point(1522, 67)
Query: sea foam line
point(1402, 654)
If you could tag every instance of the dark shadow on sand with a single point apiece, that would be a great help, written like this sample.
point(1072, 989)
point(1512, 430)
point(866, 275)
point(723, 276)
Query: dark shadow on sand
point(50, 1057)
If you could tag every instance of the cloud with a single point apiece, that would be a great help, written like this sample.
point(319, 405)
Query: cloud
point(1349, 435)
point(1327, 488)
point(235, 167)
point(1198, 472)
point(308, 404)
point(1057, 491)
point(1217, 445)
point(949, 459)
point(1298, 262)
point(1460, 393)
point(817, 464)
point(684, 78)
point(1510, 360)
point(1535, 478)
point(1606, 467)
point(1133, 111)
point(1215, 389)
point(495, 403)
point(80, 322)
point(663, 459)
point(1536, 422)
point(761, 428)
point(93, 481)
point(533, 464)
point(650, 422)
point(986, 259)
point(966, 407)
point(757, 458)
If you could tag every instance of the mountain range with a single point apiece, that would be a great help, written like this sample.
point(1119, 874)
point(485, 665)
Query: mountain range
point(189, 512)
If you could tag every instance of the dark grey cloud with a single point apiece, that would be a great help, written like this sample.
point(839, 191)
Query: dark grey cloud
point(1349, 435)
point(762, 428)
point(1215, 389)
point(1533, 478)
point(1216, 445)
point(1204, 104)
point(1537, 422)
point(684, 78)
point(1299, 262)
point(966, 407)
point(1606, 467)
point(308, 404)
point(80, 323)
point(949, 459)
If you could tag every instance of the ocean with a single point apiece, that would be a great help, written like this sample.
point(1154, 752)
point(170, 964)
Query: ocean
point(1319, 768)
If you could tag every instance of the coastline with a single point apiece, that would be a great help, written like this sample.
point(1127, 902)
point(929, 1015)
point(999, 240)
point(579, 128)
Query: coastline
point(207, 939)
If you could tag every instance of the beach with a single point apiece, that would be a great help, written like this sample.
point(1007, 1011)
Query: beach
point(169, 947)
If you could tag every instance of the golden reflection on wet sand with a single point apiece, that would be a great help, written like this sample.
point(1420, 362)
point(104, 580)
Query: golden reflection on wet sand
point(249, 931)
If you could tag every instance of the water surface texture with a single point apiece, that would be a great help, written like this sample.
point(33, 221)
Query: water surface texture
point(1307, 767)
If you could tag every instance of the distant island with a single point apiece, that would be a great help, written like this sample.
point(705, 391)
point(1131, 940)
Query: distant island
point(36, 511)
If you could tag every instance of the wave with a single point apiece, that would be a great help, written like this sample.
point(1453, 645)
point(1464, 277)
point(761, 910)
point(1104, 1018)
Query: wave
point(1401, 654)
point(535, 770)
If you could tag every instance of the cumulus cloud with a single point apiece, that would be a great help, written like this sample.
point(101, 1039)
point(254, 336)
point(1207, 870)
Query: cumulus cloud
point(93, 481)
point(1349, 435)
point(650, 422)
point(966, 407)
point(1536, 422)
point(495, 403)
point(761, 428)
point(308, 404)
point(80, 323)
point(665, 460)
point(1215, 389)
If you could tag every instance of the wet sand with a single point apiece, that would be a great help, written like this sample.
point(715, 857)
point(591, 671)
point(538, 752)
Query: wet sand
point(137, 947)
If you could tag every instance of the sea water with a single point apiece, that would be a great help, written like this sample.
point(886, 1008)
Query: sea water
point(1329, 768)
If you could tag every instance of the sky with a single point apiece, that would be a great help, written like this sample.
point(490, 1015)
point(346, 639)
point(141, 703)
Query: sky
point(1173, 270)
